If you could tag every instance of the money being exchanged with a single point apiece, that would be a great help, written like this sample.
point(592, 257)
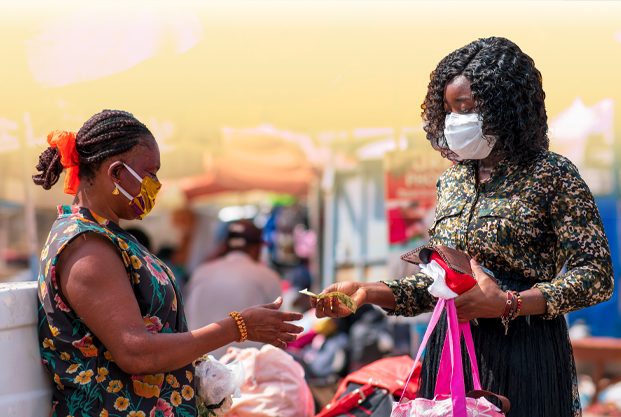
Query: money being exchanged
point(351, 304)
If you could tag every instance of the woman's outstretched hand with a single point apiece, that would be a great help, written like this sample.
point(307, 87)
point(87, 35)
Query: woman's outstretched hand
point(331, 307)
point(484, 300)
point(266, 324)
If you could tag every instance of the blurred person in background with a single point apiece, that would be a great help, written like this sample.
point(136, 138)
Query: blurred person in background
point(280, 236)
point(112, 323)
point(295, 280)
point(517, 209)
point(140, 236)
point(233, 280)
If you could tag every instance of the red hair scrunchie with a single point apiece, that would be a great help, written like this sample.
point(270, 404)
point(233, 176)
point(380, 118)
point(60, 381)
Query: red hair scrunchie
point(69, 158)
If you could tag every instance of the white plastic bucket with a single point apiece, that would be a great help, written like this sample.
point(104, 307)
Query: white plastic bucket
point(25, 386)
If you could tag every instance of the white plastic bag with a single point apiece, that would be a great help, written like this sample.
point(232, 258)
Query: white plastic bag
point(219, 381)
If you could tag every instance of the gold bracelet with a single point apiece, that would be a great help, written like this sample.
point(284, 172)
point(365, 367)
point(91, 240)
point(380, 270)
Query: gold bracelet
point(241, 325)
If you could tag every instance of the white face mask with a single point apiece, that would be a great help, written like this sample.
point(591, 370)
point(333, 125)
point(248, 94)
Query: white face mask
point(464, 135)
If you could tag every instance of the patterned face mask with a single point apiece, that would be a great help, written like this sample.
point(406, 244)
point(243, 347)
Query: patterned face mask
point(142, 203)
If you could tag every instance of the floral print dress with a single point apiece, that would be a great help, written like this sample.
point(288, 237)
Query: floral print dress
point(88, 381)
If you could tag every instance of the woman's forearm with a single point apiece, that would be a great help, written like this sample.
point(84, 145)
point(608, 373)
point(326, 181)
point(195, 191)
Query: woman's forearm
point(379, 294)
point(533, 303)
point(162, 352)
point(148, 353)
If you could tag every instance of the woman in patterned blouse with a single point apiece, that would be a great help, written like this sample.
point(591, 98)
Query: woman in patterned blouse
point(520, 211)
point(112, 327)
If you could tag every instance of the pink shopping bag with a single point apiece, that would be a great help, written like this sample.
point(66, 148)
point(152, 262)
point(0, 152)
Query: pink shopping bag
point(451, 399)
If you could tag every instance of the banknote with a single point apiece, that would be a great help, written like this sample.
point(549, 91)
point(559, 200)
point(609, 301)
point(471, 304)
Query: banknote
point(347, 301)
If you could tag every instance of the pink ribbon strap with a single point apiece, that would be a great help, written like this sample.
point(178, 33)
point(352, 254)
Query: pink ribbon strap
point(450, 375)
point(432, 325)
point(444, 372)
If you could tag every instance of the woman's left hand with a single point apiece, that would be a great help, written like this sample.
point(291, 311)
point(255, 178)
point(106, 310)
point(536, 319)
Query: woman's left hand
point(267, 324)
point(484, 300)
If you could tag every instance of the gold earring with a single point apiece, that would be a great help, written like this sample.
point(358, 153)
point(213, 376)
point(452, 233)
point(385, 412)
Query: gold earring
point(116, 190)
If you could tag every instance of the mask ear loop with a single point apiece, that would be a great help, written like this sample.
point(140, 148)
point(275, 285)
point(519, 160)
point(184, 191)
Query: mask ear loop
point(133, 172)
point(125, 193)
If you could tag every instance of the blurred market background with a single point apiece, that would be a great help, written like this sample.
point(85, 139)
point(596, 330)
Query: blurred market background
point(302, 116)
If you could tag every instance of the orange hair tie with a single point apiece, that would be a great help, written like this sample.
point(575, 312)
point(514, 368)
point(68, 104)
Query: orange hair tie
point(65, 142)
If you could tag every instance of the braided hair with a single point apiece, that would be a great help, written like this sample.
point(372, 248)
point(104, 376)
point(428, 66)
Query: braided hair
point(507, 91)
point(109, 133)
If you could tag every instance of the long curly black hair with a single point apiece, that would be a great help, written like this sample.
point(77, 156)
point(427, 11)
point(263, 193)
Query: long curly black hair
point(106, 134)
point(507, 91)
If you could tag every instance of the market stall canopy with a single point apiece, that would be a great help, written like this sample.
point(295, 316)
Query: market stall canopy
point(257, 158)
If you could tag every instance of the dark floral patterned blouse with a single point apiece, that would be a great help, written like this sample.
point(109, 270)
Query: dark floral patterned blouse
point(88, 381)
point(530, 219)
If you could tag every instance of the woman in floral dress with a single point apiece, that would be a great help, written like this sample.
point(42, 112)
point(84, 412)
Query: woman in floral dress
point(520, 211)
point(112, 328)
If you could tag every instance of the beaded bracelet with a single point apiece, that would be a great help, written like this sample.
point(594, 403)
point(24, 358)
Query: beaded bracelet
point(507, 311)
point(514, 313)
point(241, 325)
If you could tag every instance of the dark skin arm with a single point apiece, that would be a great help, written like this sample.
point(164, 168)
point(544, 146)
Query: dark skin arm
point(363, 293)
point(94, 283)
point(484, 300)
point(487, 300)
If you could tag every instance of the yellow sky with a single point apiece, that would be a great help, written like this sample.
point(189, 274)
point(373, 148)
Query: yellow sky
point(320, 65)
point(313, 66)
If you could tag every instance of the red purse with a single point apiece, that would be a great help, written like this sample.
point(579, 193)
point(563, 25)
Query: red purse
point(459, 276)
point(348, 402)
point(388, 374)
